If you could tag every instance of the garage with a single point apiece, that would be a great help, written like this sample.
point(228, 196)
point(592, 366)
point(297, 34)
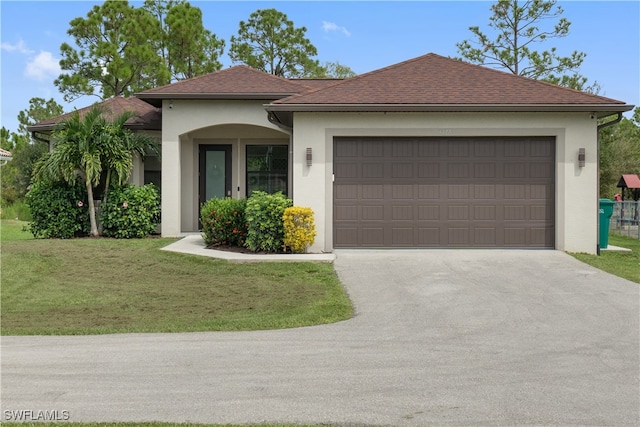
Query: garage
point(428, 192)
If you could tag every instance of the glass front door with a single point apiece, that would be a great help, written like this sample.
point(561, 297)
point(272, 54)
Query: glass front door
point(215, 172)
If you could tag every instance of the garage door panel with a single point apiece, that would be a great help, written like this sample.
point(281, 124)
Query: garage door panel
point(347, 237)
point(373, 236)
point(403, 192)
point(373, 171)
point(346, 192)
point(346, 213)
point(459, 149)
point(495, 192)
point(429, 212)
point(402, 236)
point(428, 237)
point(458, 236)
point(484, 170)
point(484, 149)
point(458, 191)
point(428, 170)
point(458, 170)
point(515, 170)
point(482, 192)
point(369, 192)
point(402, 213)
point(372, 213)
point(486, 237)
point(484, 213)
point(429, 191)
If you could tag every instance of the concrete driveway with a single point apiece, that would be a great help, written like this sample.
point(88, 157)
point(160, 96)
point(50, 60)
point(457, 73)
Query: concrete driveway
point(440, 338)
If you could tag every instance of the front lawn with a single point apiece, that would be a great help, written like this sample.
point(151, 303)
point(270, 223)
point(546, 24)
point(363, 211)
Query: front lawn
point(98, 286)
point(623, 264)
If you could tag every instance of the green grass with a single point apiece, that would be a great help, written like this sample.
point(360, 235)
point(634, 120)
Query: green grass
point(18, 210)
point(99, 286)
point(622, 264)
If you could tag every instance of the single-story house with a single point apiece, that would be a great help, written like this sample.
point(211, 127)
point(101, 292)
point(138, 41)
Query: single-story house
point(428, 153)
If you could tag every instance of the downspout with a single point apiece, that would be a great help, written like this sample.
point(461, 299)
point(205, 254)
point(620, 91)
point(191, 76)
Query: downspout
point(273, 119)
point(612, 122)
point(602, 126)
point(35, 136)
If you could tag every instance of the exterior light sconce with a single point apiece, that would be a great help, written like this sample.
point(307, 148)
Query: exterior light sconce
point(581, 157)
point(171, 104)
point(309, 156)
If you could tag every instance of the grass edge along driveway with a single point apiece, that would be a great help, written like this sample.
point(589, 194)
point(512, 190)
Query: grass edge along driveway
point(99, 286)
point(621, 264)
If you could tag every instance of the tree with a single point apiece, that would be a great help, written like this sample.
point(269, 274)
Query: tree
point(192, 49)
point(16, 175)
point(90, 146)
point(116, 54)
point(39, 110)
point(519, 26)
point(335, 70)
point(187, 49)
point(269, 42)
point(619, 153)
point(11, 141)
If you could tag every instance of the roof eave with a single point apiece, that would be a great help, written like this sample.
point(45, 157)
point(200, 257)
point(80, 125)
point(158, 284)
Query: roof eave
point(601, 110)
point(133, 126)
point(226, 96)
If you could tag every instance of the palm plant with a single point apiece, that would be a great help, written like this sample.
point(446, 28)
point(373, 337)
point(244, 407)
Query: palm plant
point(88, 146)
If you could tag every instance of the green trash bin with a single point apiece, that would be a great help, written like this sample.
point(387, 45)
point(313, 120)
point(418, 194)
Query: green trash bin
point(606, 210)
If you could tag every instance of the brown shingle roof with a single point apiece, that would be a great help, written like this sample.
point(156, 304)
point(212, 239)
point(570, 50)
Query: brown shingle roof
point(316, 83)
point(239, 82)
point(433, 80)
point(146, 116)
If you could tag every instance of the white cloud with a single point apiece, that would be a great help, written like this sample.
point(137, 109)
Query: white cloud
point(19, 47)
point(43, 66)
point(331, 26)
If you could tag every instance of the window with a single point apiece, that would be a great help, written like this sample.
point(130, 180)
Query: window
point(267, 168)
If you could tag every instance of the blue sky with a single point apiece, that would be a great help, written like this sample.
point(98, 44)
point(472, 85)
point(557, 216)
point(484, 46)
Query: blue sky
point(363, 35)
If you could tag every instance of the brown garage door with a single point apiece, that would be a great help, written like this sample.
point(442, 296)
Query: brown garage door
point(444, 192)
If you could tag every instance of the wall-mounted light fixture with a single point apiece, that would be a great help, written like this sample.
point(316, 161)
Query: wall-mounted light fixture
point(581, 157)
point(309, 156)
point(171, 104)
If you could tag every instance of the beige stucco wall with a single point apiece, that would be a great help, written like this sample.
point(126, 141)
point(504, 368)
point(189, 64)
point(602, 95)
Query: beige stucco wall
point(188, 124)
point(576, 188)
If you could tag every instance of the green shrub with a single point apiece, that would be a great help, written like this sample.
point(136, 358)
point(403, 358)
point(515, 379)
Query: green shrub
point(16, 210)
point(58, 209)
point(131, 211)
point(265, 229)
point(223, 222)
point(299, 229)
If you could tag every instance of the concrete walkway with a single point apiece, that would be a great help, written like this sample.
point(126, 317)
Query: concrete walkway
point(193, 244)
point(439, 338)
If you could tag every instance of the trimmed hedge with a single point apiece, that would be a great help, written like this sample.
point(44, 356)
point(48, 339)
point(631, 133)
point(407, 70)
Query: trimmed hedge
point(58, 209)
point(131, 212)
point(265, 229)
point(223, 222)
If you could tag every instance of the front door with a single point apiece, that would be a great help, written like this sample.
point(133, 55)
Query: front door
point(215, 172)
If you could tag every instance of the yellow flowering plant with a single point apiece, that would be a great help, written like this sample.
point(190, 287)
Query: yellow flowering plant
point(299, 228)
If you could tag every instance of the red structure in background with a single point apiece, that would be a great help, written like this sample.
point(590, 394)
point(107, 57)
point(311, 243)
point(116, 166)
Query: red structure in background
point(630, 183)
